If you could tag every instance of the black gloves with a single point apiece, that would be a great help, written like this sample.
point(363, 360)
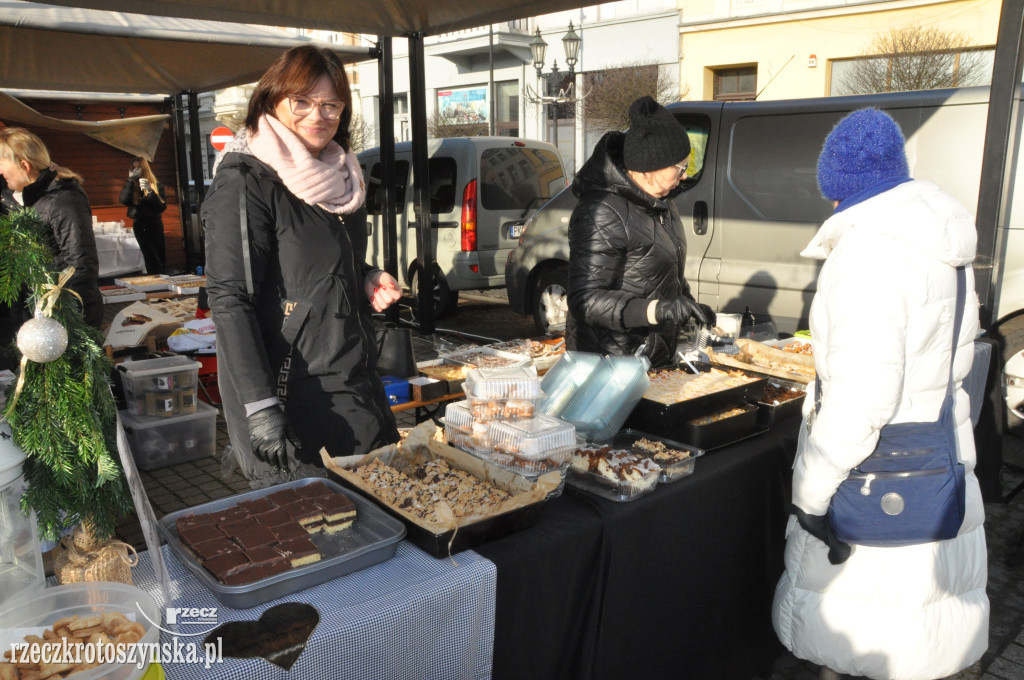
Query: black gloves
point(272, 438)
point(818, 526)
point(677, 311)
point(710, 318)
point(134, 173)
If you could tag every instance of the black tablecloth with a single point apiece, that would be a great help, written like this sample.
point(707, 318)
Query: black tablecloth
point(675, 584)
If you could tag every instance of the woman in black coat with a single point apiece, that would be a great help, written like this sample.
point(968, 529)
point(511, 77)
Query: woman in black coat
point(146, 200)
point(627, 249)
point(286, 279)
point(56, 194)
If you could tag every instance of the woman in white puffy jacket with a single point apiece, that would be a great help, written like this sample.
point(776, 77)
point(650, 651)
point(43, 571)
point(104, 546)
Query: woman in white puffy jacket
point(882, 323)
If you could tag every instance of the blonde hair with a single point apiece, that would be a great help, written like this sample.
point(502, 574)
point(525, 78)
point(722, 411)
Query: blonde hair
point(147, 173)
point(18, 144)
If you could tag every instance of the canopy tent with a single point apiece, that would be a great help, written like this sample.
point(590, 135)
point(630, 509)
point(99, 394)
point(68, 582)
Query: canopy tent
point(138, 136)
point(376, 17)
point(47, 47)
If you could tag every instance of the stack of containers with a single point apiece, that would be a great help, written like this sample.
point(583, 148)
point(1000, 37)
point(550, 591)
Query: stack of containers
point(164, 420)
point(499, 421)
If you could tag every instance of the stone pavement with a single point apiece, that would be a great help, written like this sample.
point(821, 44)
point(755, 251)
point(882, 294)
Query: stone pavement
point(187, 484)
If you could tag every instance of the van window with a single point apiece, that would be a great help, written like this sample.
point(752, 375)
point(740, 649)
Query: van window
point(518, 178)
point(442, 185)
point(773, 164)
point(375, 198)
point(697, 129)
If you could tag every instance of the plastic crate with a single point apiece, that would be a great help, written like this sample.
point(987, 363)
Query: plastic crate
point(396, 389)
point(156, 442)
point(164, 387)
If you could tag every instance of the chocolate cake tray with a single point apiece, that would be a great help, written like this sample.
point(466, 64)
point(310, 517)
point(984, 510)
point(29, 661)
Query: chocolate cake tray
point(770, 413)
point(372, 538)
point(651, 411)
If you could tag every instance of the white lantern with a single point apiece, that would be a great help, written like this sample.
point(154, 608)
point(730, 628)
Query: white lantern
point(21, 559)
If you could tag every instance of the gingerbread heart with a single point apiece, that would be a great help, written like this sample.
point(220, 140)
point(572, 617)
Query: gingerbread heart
point(279, 636)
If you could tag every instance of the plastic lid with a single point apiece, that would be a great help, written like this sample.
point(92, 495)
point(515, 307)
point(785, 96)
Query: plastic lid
point(159, 365)
point(532, 437)
point(11, 455)
point(509, 382)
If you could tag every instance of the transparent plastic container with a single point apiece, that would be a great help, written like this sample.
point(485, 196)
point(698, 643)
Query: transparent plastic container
point(33, 613)
point(156, 442)
point(488, 409)
point(465, 432)
point(603, 402)
point(620, 490)
point(564, 378)
point(534, 438)
point(160, 387)
point(512, 382)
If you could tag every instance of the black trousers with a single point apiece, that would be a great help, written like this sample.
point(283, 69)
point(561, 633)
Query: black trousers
point(150, 236)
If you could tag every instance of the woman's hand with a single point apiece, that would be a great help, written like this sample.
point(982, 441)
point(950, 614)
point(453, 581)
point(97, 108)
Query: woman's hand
point(382, 290)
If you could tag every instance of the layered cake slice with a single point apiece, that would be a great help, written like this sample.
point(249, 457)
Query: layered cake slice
point(338, 511)
point(316, 490)
point(289, 530)
point(248, 533)
point(209, 549)
point(190, 536)
point(305, 513)
point(299, 551)
point(226, 565)
point(256, 506)
point(273, 518)
point(658, 452)
point(284, 497)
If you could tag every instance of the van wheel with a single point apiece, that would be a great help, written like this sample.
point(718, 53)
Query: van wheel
point(1011, 350)
point(550, 304)
point(445, 299)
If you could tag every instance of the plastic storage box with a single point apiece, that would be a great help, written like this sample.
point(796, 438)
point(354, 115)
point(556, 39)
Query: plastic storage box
point(603, 402)
point(157, 442)
point(532, 446)
point(38, 611)
point(580, 477)
point(396, 389)
point(486, 409)
point(564, 378)
point(465, 432)
point(513, 382)
point(164, 387)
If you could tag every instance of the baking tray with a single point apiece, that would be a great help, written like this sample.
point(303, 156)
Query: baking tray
point(769, 414)
point(720, 432)
point(372, 538)
point(669, 474)
point(681, 411)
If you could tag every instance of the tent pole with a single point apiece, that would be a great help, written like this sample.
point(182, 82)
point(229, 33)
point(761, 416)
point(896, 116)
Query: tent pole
point(181, 155)
point(421, 182)
point(1001, 142)
point(195, 138)
point(386, 191)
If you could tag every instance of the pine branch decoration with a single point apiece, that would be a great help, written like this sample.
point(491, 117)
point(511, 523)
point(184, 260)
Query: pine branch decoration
point(65, 417)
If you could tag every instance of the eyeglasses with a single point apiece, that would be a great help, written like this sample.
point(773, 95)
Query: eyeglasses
point(303, 106)
point(681, 168)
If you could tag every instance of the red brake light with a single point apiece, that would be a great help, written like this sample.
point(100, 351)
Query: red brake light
point(469, 217)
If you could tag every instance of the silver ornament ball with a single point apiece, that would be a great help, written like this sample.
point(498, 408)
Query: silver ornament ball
point(42, 340)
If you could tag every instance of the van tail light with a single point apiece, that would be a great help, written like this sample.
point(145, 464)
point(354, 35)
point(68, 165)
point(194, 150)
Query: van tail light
point(469, 217)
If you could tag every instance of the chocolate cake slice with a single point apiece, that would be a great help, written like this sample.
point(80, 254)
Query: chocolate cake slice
point(316, 490)
point(256, 506)
point(226, 565)
point(284, 497)
point(292, 529)
point(192, 521)
point(232, 514)
point(210, 549)
point(339, 512)
point(273, 518)
point(248, 533)
point(305, 513)
point(190, 536)
point(299, 551)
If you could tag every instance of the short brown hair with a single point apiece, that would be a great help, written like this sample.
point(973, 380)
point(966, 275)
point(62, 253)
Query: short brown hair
point(296, 72)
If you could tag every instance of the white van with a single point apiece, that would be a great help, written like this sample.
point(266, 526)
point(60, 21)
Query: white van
point(481, 191)
point(752, 204)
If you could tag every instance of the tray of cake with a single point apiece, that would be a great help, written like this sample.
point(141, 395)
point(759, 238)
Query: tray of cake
point(780, 400)
point(484, 357)
point(618, 473)
point(448, 499)
point(678, 394)
point(676, 460)
point(543, 353)
point(258, 546)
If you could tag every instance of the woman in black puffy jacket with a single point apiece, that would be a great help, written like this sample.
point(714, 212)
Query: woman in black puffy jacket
point(627, 250)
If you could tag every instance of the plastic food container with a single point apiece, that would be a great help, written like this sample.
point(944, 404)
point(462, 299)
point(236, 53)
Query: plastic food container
point(601, 404)
point(487, 409)
point(31, 614)
point(372, 538)
point(465, 432)
point(532, 446)
point(564, 378)
point(613, 489)
point(154, 387)
point(669, 472)
point(512, 382)
point(485, 357)
point(156, 442)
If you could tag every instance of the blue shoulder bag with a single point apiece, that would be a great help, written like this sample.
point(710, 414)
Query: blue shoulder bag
point(911, 488)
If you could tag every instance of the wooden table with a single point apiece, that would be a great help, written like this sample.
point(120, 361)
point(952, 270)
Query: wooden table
point(431, 407)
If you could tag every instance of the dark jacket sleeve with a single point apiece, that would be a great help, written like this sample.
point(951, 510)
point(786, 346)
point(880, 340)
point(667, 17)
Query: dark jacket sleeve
point(234, 310)
point(126, 194)
point(155, 201)
point(70, 219)
point(597, 256)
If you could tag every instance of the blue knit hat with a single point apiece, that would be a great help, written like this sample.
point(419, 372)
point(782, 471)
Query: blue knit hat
point(863, 149)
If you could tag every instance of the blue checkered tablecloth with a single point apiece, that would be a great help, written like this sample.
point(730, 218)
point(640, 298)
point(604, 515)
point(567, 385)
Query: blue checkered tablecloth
point(412, 616)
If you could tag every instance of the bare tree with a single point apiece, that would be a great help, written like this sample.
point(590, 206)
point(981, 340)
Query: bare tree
point(914, 58)
point(610, 92)
point(439, 126)
point(361, 134)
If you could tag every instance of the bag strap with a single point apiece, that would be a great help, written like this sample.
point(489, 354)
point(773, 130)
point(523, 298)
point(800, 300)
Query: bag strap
point(958, 317)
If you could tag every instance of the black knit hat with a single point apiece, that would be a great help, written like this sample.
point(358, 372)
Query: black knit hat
point(655, 139)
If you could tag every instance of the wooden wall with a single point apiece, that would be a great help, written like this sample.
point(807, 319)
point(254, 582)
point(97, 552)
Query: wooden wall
point(105, 168)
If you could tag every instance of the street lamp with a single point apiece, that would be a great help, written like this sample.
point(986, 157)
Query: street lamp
point(538, 49)
point(571, 42)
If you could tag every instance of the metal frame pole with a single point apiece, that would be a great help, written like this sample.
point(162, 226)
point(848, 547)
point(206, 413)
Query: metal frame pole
point(421, 182)
point(386, 191)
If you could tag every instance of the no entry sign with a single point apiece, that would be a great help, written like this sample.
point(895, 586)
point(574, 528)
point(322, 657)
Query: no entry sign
point(220, 137)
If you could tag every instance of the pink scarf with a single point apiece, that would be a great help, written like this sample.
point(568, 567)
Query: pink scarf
point(333, 181)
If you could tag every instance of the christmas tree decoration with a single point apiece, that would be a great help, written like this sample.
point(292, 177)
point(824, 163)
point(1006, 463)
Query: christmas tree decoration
point(63, 415)
point(42, 340)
